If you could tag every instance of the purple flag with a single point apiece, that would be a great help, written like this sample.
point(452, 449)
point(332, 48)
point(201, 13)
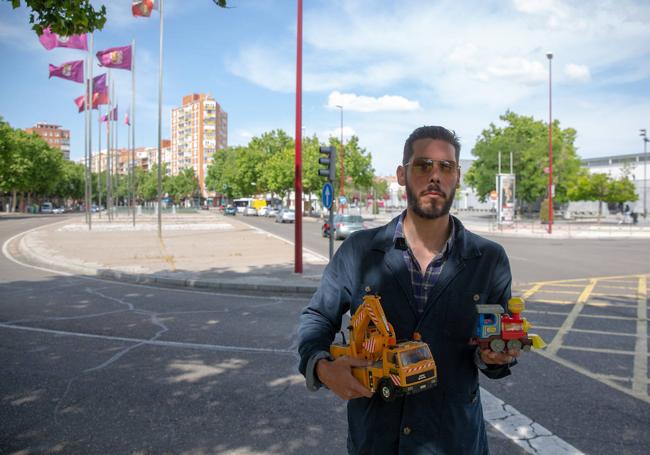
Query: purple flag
point(115, 57)
point(72, 71)
point(104, 118)
point(113, 114)
point(99, 83)
point(51, 40)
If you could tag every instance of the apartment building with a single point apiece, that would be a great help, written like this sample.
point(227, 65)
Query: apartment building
point(199, 129)
point(54, 135)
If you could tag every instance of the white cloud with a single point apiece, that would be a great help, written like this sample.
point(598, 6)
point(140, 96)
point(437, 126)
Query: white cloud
point(578, 73)
point(518, 70)
point(359, 103)
point(348, 132)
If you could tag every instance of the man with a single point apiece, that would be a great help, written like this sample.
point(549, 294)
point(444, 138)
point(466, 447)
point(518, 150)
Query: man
point(430, 273)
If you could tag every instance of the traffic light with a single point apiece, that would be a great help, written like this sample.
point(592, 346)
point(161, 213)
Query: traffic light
point(329, 160)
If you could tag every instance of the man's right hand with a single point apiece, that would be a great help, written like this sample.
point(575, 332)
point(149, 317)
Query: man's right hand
point(337, 376)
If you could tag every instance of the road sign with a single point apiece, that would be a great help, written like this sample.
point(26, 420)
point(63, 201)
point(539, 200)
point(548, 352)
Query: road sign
point(343, 200)
point(327, 195)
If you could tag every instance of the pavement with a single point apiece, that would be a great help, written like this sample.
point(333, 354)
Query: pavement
point(211, 251)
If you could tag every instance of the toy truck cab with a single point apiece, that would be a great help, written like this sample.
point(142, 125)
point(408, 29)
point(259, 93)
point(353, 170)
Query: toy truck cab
point(406, 368)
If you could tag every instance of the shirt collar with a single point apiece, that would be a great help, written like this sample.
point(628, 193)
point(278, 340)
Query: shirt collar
point(399, 239)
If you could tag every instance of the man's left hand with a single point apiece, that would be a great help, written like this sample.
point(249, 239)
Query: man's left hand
point(489, 357)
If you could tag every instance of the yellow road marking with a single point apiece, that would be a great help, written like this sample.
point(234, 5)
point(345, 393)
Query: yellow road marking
point(614, 385)
point(641, 348)
point(531, 291)
point(556, 343)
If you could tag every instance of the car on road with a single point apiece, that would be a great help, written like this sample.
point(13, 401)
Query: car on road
point(249, 211)
point(285, 216)
point(272, 213)
point(58, 210)
point(263, 211)
point(46, 207)
point(344, 225)
point(230, 210)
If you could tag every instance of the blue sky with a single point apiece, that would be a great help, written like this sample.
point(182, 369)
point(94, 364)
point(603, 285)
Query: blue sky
point(392, 65)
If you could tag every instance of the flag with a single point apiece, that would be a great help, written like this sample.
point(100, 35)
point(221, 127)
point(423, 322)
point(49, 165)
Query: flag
point(72, 71)
point(127, 121)
point(115, 57)
point(113, 115)
point(51, 40)
point(104, 118)
point(98, 98)
point(143, 8)
point(99, 83)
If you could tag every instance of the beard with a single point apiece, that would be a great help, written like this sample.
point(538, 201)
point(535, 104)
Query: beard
point(430, 211)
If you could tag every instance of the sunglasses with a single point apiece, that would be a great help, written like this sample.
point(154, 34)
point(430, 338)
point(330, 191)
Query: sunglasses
point(424, 166)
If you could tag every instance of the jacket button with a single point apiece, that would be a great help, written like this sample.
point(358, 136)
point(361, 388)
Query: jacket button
point(407, 431)
point(477, 297)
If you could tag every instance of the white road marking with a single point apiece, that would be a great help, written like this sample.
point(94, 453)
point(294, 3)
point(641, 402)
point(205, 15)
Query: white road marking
point(522, 430)
point(140, 341)
point(640, 371)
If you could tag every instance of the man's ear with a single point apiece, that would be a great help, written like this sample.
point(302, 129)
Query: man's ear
point(401, 175)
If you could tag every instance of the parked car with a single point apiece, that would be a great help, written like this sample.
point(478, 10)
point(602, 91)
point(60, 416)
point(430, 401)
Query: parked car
point(58, 210)
point(230, 210)
point(46, 207)
point(344, 225)
point(272, 212)
point(263, 211)
point(249, 211)
point(285, 216)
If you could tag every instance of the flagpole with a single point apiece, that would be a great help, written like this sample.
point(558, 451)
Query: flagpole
point(109, 129)
point(90, 127)
point(132, 127)
point(99, 161)
point(160, 88)
point(87, 165)
point(116, 158)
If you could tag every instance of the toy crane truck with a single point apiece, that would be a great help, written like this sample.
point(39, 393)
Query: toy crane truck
point(400, 368)
point(498, 331)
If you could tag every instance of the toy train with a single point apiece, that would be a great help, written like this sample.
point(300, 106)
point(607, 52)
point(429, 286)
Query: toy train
point(500, 331)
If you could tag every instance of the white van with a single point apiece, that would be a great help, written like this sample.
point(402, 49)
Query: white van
point(46, 207)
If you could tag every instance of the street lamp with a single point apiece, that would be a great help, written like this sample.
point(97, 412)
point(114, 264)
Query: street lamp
point(644, 135)
point(549, 55)
point(342, 156)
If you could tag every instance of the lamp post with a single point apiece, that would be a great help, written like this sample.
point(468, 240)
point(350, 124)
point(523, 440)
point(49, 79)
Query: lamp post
point(549, 55)
point(341, 158)
point(644, 135)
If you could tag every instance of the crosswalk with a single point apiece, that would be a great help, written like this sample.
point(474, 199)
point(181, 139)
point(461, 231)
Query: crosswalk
point(597, 326)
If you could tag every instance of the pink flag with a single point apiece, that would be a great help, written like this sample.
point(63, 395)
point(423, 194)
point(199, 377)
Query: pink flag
point(98, 98)
point(51, 40)
point(143, 8)
point(115, 57)
point(99, 83)
point(126, 120)
point(72, 71)
point(104, 118)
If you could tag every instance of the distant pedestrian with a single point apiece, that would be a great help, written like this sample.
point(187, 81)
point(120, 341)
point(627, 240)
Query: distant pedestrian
point(626, 214)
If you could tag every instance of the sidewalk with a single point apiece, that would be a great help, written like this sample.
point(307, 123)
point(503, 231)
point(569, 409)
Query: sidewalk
point(202, 250)
point(208, 250)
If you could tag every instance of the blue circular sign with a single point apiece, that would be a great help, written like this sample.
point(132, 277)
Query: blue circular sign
point(327, 195)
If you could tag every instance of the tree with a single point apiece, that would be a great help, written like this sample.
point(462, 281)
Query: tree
point(602, 188)
point(183, 186)
point(148, 188)
point(527, 139)
point(222, 172)
point(69, 17)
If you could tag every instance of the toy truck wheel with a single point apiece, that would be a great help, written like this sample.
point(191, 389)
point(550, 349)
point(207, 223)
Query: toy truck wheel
point(497, 345)
point(387, 389)
point(514, 345)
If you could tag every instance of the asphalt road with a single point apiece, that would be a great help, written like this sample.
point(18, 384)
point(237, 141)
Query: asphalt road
point(91, 366)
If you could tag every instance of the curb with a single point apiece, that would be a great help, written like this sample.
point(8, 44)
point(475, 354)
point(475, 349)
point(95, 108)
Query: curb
point(190, 283)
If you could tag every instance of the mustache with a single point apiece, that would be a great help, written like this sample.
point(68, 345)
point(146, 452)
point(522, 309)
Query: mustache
point(434, 187)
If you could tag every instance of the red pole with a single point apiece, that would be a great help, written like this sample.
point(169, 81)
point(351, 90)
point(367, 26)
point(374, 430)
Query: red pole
point(298, 212)
point(550, 148)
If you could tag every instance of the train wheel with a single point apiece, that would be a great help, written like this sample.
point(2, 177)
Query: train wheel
point(497, 345)
point(387, 389)
point(514, 345)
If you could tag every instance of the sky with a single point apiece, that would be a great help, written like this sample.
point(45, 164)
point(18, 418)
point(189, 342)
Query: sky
point(393, 66)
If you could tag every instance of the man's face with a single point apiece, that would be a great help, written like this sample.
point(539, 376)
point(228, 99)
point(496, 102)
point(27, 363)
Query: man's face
point(430, 189)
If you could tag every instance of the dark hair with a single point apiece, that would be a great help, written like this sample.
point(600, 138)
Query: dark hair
point(430, 132)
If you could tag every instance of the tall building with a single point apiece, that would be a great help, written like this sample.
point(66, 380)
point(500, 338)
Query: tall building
point(54, 135)
point(199, 129)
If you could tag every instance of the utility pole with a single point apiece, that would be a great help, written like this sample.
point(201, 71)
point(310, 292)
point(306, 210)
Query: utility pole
point(549, 55)
point(644, 135)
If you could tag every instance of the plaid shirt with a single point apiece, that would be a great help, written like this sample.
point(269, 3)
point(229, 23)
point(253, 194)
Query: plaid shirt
point(422, 283)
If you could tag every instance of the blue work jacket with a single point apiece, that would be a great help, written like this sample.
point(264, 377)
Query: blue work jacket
point(447, 419)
